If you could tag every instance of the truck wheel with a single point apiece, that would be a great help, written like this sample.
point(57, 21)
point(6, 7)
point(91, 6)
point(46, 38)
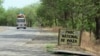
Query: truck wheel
point(17, 28)
point(24, 27)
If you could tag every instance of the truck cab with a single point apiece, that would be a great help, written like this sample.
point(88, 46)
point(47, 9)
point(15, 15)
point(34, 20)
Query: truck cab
point(21, 21)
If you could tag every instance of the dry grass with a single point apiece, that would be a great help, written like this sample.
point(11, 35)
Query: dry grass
point(88, 42)
point(53, 29)
point(1, 29)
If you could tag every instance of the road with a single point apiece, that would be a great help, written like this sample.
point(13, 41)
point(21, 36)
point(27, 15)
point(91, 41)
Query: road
point(25, 42)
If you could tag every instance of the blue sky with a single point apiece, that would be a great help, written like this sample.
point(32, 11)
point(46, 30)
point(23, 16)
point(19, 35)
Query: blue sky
point(18, 3)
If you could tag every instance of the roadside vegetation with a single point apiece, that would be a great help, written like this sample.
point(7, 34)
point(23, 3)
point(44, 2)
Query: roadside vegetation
point(72, 14)
point(50, 47)
point(8, 17)
point(83, 15)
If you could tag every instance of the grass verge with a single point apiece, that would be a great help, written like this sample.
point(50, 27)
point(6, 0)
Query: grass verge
point(50, 47)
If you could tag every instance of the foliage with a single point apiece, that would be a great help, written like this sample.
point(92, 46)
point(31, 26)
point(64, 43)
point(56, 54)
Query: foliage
point(50, 47)
point(8, 17)
point(75, 14)
point(30, 12)
point(2, 11)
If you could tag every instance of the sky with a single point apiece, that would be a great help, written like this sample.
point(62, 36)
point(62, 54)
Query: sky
point(18, 3)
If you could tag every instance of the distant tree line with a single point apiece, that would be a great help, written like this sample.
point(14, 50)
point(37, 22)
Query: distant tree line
point(72, 14)
point(8, 17)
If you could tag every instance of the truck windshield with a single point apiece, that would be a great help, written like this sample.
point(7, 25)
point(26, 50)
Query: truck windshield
point(20, 20)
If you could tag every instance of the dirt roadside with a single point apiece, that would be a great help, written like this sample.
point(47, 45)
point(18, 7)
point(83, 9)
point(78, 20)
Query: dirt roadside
point(88, 42)
point(2, 28)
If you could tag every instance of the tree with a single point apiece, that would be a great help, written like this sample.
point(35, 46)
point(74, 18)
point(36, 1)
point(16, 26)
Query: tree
point(2, 16)
point(11, 16)
point(97, 17)
point(75, 14)
point(30, 13)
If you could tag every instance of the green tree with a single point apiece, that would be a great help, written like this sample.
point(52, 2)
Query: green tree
point(97, 17)
point(11, 16)
point(2, 14)
point(30, 13)
point(75, 14)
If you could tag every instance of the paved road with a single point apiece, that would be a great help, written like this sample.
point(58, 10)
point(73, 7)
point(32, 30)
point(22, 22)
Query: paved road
point(15, 42)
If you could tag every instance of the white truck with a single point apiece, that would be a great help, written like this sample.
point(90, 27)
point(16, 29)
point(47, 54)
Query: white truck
point(21, 21)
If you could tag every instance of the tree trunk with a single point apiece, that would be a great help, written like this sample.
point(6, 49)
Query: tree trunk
point(56, 22)
point(73, 26)
point(97, 19)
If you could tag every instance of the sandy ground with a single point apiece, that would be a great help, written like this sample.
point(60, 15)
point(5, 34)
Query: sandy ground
point(25, 42)
point(1, 29)
point(88, 43)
